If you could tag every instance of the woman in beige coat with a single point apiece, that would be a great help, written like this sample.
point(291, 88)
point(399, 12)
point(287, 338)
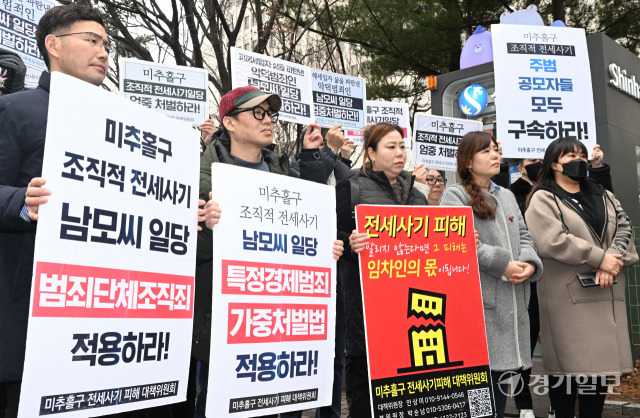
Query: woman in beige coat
point(578, 227)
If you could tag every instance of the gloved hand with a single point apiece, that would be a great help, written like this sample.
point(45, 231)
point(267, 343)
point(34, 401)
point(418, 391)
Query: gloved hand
point(13, 79)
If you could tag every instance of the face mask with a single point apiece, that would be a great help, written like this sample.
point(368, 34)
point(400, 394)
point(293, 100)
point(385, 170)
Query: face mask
point(533, 171)
point(576, 169)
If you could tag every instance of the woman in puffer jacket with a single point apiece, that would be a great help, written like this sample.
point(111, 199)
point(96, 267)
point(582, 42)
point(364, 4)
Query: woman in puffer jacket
point(381, 181)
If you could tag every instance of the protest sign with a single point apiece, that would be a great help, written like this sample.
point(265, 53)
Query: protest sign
point(388, 112)
point(32, 77)
point(424, 320)
point(174, 90)
point(338, 99)
point(111, 307)
point(274, 287)
point(355, 136)
point(292, 82)
point(543, 88)
point(391, 112)
point(18, 23)
point(436, 139)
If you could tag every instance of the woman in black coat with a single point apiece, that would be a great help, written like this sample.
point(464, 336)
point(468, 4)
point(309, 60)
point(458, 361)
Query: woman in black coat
point(381, 181)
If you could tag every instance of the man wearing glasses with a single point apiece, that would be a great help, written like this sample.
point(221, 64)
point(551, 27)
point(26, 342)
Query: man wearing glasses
point(248, 118)
point(72, 40)
point(430, 183)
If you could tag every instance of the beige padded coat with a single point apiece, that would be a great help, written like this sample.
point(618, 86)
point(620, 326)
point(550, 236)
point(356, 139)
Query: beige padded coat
point(583, 330)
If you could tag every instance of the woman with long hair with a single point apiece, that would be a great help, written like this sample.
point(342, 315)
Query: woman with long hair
point(507, 258)
point(584, 238)
point(381, 181)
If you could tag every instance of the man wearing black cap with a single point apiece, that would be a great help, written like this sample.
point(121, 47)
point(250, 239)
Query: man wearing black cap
point(248, 116)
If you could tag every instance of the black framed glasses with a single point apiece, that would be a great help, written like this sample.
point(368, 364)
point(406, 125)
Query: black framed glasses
point(95, 40)
point(259, 113)
point(432, 181)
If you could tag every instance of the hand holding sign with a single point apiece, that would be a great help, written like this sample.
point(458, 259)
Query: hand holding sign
point(212, 212)
point(338, 249)
point(596, 157)
point(420, 171)
point(358, 241)
point(313, 137)
point(347, 149)
point(335, 137)
point(36, 196)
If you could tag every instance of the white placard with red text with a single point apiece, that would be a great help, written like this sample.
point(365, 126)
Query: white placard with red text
point(112, 293)
point(291, 81)
point(274, 287)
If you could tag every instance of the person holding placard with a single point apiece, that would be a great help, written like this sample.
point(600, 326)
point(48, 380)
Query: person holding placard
point(248, 116)
point(430, 182)
point(507, 258)
point(72, 40)
point(382, 180)
point(584, 238)
point(341, 145)
point(337, 166)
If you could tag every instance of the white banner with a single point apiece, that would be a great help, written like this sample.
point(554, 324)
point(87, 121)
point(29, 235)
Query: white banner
point(543, 88)
point(174, 90)
point(387, 112)
point(292, 82)
point(18, 23)
point(391, 112)
point(338, 98)
point(112, 294)
point(274, 288)
point(436, 139)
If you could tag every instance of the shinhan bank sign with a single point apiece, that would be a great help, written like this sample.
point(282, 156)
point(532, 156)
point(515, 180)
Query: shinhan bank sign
point(623, 82)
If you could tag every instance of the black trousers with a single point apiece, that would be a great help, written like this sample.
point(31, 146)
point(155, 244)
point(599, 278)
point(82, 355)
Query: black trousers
point(9, 398)
point(357, 382)
point(591, 395)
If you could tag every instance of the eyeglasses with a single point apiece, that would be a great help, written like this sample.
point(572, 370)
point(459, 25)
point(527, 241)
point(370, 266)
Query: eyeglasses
point(95, 40)
point(432, 181)
point(259, 113)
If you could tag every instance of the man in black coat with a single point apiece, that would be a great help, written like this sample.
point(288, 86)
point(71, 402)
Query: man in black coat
point(72, 40)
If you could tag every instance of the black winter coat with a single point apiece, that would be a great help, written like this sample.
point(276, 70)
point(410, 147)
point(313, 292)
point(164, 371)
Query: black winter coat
point(375, 189)
point(23, 124)
point(331, 162)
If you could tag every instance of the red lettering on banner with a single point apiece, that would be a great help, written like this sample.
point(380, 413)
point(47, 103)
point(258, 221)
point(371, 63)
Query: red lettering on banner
point(267, 322)
point(244, 277)
point(64, 290)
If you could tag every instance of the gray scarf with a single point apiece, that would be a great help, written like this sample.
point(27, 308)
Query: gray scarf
point(402, 187)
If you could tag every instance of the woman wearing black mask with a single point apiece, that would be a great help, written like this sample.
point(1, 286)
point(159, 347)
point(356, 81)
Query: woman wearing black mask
point(530, 169)
point(579, 227)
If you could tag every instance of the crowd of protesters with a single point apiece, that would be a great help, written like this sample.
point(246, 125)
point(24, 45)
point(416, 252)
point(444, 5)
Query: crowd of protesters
point(534, 237)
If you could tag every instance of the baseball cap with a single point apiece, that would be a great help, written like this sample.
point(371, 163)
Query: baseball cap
point(245, 98)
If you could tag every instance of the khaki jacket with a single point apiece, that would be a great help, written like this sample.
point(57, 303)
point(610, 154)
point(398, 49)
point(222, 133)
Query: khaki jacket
point(583, 330)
